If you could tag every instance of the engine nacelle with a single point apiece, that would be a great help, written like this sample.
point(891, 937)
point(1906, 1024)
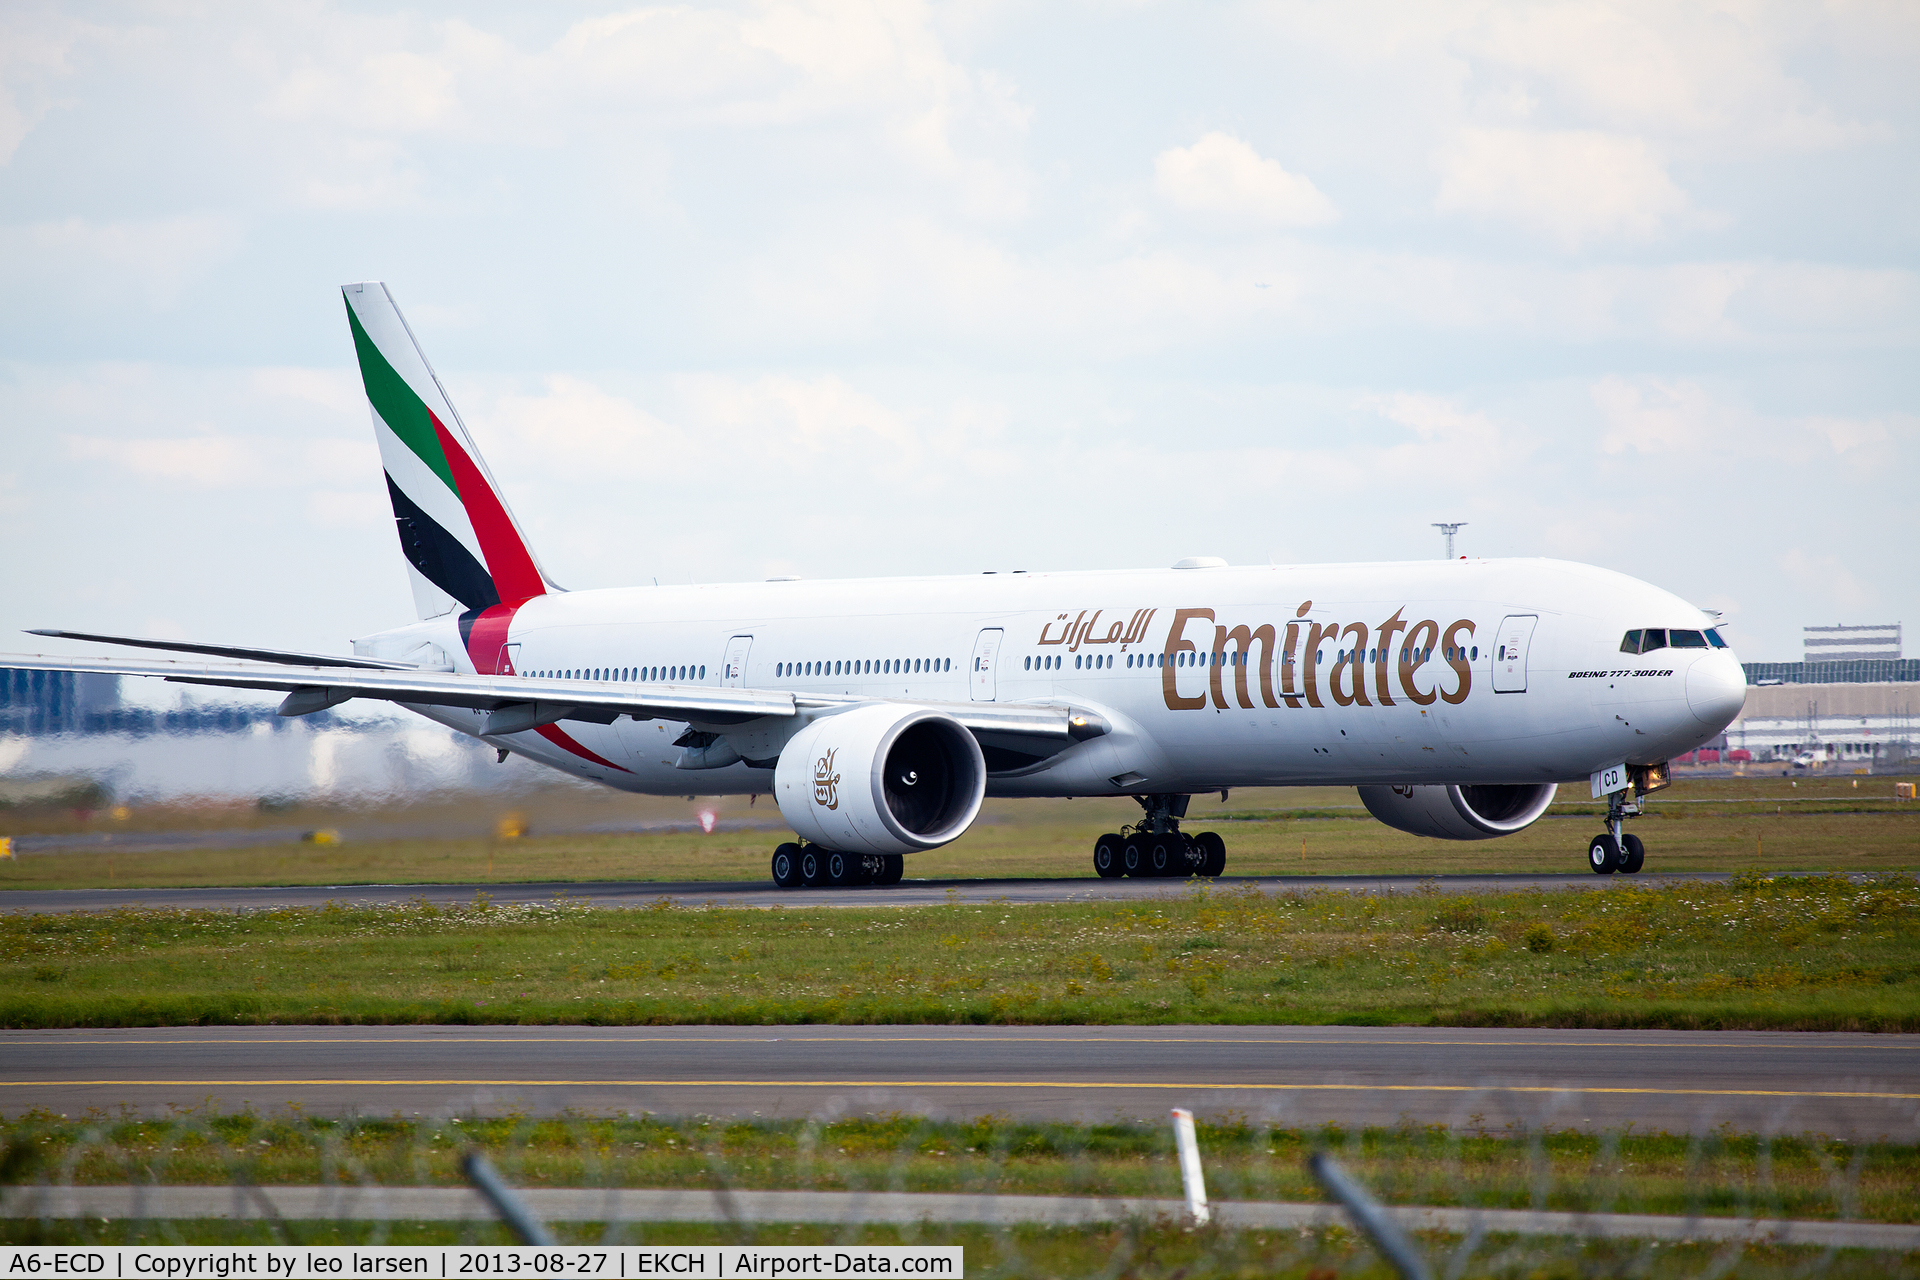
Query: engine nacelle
point(881, 779)
point(1459, 813)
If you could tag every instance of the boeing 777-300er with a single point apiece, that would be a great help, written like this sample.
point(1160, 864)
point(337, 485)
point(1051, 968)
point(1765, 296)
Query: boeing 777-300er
point(1455, 695)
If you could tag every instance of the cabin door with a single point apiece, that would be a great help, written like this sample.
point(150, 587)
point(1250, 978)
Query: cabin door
point(980, 677)
point(1510, 645)
point(733, 672)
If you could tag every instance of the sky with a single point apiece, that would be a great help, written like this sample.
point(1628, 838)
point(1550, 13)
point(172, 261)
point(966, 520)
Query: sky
point(854, 289)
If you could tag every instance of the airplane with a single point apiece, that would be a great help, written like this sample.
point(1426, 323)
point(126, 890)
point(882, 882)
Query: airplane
point(1455, 695)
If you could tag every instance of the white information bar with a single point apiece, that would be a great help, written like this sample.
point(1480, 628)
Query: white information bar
point(460, 1262)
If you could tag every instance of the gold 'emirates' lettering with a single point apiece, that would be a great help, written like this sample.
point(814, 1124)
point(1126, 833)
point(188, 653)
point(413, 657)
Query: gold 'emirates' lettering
point(1177, 644)
point(1394, 648)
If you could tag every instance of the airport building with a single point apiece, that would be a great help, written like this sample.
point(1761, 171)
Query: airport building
point(1849, 705)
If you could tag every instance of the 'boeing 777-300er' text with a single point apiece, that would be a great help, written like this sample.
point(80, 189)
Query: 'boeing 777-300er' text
point(1455, 695)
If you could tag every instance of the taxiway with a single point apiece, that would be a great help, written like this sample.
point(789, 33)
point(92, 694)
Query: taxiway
point(1861, 1085)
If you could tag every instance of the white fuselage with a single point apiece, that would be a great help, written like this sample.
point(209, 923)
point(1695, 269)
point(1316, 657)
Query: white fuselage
point(1417, 682)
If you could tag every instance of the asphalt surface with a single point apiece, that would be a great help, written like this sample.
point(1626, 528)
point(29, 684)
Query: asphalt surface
point(762, 893)
point(1841, 1084)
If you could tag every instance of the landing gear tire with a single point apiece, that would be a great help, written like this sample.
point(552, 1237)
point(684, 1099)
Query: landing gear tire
point(813, 867)
point(786, 866)
point(1213, 853)
point(1166, 856)
point(843, 869)
point(1107, 857)
point(892, 867)
point(1133, 858)
point(1603, 855)
point(1633, 854)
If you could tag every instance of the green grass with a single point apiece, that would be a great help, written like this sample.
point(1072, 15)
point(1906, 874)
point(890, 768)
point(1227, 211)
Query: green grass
point(1715, 1174)
point(1819, 953)
point(1696, 825)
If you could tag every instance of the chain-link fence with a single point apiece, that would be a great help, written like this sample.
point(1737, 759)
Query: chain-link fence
point(1025, 1198)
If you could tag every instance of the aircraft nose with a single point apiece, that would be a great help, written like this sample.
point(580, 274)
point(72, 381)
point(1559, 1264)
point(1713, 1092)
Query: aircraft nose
point(1716, 690)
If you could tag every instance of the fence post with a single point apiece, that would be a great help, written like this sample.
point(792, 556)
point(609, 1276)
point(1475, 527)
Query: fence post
point(506, 1205)
point(1190, 1175)
point(1372, 1220)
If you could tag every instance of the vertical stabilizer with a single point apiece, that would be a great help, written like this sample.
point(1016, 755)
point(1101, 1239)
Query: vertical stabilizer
point(463, 547)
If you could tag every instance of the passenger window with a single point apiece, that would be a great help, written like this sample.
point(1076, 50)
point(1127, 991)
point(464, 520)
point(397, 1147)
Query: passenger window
point(1686, 640)
point(1632, 642)
point(1655, 638)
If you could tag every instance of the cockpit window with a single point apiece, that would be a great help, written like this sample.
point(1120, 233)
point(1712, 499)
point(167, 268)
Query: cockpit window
point(1687, 639)
point(1631, 644)
point(1654, 638)
point(1713, 638)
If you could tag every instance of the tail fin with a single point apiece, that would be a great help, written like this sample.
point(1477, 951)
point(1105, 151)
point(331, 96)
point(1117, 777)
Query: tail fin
point(462, 545)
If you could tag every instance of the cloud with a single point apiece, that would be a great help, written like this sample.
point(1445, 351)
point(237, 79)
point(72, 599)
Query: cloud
point(1220, 174)
point(152, 261)
point(1827, 579)
point(1660, 419)
point(1704, 74)
point(228, 461)
point(1572, 186)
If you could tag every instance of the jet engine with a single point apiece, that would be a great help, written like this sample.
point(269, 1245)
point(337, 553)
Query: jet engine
point(881, 779)
point(1459, 813)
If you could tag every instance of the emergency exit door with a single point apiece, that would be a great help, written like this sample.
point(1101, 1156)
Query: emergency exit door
point(986, 651)
point(1510, 645)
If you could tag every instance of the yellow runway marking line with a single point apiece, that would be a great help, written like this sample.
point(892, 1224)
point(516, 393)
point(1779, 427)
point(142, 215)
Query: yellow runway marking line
point(1878, 1042)
point(974, 1084)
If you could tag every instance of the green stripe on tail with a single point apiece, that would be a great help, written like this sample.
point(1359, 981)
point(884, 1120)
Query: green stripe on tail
point(403, 411)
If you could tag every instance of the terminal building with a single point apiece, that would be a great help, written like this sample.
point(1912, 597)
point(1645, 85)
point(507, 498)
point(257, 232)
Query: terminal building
point(1848, 705)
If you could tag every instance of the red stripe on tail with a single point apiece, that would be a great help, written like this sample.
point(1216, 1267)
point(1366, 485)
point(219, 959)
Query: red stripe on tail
point(514, 575)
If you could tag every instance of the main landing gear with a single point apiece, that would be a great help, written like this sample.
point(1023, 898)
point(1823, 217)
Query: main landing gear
point(1614, 850)
point(1156, 846)
point(808, 866)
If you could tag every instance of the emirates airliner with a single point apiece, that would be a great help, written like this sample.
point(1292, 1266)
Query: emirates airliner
point(1454, 695)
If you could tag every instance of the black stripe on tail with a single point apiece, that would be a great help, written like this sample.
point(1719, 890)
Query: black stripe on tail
point(439, 556)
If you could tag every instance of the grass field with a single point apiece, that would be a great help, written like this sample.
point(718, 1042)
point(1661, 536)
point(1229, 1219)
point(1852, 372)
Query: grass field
point(1705, 824)
point(1819, 953)
point(1715, 1174)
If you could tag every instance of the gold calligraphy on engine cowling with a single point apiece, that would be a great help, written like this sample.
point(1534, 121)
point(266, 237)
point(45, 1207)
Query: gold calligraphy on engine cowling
point(1374, 664)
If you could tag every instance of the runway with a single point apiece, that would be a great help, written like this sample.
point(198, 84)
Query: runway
point(761, 893)
point(1840, 1084)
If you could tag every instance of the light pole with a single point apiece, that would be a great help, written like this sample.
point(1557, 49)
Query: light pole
point(1450, 530)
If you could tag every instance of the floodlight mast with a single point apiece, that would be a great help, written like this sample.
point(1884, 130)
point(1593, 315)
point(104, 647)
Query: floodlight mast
point(1450, 530)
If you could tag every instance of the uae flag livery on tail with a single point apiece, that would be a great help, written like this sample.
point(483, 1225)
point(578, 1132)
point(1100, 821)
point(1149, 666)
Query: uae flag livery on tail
point(464, 550)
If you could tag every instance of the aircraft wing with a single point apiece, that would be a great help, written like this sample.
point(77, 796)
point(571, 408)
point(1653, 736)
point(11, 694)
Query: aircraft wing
point(517, 703)
point(233, 651)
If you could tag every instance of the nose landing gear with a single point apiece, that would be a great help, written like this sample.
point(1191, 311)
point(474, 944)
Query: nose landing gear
point(1613, 849)
point(1155, 846)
